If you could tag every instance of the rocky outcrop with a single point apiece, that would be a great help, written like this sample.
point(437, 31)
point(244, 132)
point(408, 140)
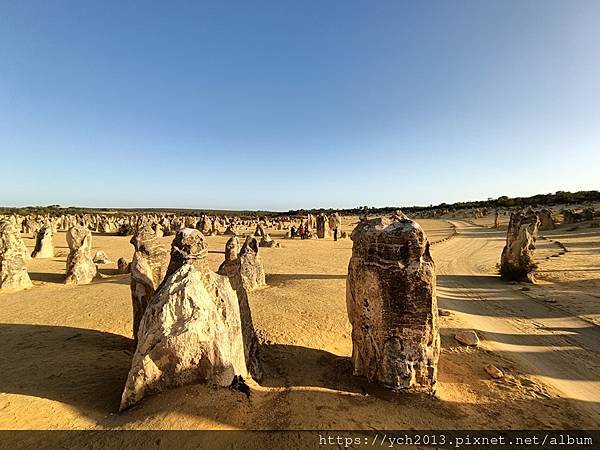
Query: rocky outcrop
point(516, 263)
point(569, 216)
point(245, 264)
point(232, 248)
point(193, 330)
point(260, 231)
point(80, 266)
point(230, 231)
point(13, 272)
point(311, 222)
point(28, 225)
point(322, 226)
point(588, 214)
point(44, 247)
point(158, 230)
point(266, 241)
point(335, 222)
point(101, 257)
point(125, 230)
point(546, 219)
point(216, 225)
point(231, 266)
point(391, 301)
point(148, 269)
point(205, 225)
point(252, 270)
point(123, 266)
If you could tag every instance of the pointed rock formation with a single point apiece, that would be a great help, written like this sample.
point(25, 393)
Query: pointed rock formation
point(231, 266)
point(148, 269)
point(205, 225)
point(335, 222)
point(80, 266)
point(230, 230)
point(260, 231)
point(13, 272)
point(266, 241)
point(546, 219)
point(158, 230)
point(516, 263)
point(247, 263)
point(123, 266)
point(252, 270)
point(101, 257)
point(44, 247)
point(391, 300)
point(322, 226)
point(193, 328)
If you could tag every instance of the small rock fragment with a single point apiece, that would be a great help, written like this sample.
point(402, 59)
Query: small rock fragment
point(101, 258)
point(468, 338)
point(493, 371)
point(123, 266)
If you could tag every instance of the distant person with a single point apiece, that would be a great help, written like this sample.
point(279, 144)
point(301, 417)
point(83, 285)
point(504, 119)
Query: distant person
point(301, 231)
point(293, 231)
point(335, 232)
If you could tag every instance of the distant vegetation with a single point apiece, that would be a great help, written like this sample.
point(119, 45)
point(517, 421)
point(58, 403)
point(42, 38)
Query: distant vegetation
point(57, 210)
point(558, 198)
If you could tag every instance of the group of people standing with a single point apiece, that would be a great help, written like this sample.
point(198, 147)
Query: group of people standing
point(302, 231)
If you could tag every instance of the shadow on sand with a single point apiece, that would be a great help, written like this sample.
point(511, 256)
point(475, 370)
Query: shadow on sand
point(57, 278)
point(280, 278)
point(87, 369)
point(104, 276)
point(81, 367)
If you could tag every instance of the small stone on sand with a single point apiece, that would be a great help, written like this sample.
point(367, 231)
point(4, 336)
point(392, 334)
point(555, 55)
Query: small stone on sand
point(468, 337)
point(493, 371)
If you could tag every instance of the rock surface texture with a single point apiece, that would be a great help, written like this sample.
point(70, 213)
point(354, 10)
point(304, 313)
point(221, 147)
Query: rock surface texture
point(252, 270)
point(101, 257)
point(192, 330)
point(148, 269)
point(546, 219)
point(231, 264)
point(266, 241)
point(80, 266)
point(516, 263)
point(391, 300)
point(123, 266)
point(322, 226)
point(13, 272)
point(468, 338)
point(245, 263)
point(44, 247)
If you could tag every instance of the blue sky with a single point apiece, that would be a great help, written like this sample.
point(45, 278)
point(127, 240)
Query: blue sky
point(289, 104)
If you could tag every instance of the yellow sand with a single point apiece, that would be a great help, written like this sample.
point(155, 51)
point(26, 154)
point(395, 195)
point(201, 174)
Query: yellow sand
point(66, 350)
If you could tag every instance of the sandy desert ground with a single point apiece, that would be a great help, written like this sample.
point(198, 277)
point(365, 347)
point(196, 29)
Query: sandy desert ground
point(67, 349)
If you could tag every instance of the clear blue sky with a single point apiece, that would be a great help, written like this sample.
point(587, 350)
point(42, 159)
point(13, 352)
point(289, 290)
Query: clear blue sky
point(286, 104)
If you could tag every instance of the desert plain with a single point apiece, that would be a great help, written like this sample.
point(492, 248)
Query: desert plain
point(67, 349)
